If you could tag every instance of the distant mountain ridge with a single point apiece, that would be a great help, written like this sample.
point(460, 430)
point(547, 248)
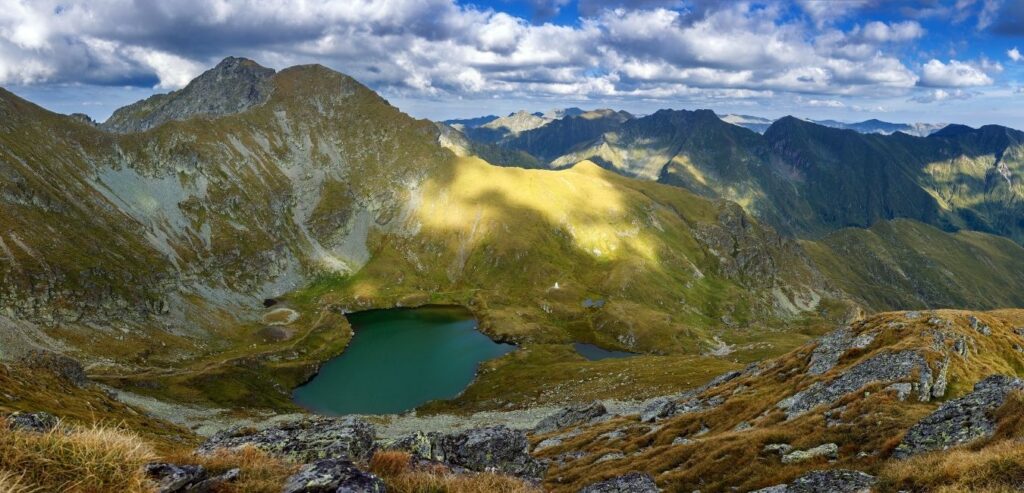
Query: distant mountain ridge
point(802, 177)
point(872, 126)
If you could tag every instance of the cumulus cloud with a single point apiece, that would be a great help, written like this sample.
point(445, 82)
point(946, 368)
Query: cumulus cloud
point(952, 74)
point(439, 48)
point(1014, 54)
point(881, 32)
point(937, 95)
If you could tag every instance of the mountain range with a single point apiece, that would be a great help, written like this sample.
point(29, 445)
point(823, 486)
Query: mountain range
point(202, 247)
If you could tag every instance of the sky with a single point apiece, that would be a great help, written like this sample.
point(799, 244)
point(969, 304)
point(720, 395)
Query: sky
point(905, 61)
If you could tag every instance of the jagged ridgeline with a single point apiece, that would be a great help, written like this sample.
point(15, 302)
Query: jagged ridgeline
point(152, 239)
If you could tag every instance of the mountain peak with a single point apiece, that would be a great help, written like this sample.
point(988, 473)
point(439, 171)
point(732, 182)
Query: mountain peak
point(234, 85)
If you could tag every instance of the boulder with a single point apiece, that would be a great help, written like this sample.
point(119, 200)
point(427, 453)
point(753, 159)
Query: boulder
point(303, 440)
point(977, 325)
point(777, 448)
point(37, 422)
point(659, 407)
point(827, 481)
point(418, 444)
point(827, 450)
point(572, 416)
point(884, 368)
point(634, 482)
point(173, 478)
point(333, 476)
point(496, 448)
point(960, 420)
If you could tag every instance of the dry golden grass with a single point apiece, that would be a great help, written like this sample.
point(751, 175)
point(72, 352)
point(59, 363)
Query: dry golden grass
point(71, 459)
point(260, 472)
point(995, 468)
point(389, 463)
point(13, 483)
point(395, 468)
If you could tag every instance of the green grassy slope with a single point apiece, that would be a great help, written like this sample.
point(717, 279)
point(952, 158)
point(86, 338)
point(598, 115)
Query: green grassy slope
point(907, 264)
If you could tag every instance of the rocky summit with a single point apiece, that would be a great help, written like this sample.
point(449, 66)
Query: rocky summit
point(675, 302)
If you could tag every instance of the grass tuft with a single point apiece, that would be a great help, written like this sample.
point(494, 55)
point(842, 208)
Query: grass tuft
point(260, 471)
point(73, 459)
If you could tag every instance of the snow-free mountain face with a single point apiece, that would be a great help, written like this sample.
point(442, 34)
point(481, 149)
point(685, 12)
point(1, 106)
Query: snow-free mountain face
point(873, 126)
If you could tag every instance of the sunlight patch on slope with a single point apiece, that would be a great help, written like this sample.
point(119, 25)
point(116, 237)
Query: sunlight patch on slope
point(579, 201)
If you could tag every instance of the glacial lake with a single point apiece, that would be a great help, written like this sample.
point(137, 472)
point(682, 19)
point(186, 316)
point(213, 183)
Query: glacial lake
point(399, 359)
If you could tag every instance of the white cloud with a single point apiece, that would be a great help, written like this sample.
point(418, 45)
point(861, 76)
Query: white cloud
point(880, 32)
point(937, 95)
point(1014, 54)
point(952, 74)
point(439, 48)
point(826, 103)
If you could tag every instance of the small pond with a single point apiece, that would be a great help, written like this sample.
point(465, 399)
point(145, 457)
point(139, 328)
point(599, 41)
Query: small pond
point(594, 353)
point(399, 359)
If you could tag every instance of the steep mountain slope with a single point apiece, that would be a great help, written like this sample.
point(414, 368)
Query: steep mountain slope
point(913, 265)
point(559, 137)
point(150, 254)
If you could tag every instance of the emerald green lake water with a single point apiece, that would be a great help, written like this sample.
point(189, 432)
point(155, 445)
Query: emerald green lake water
point(399, 359)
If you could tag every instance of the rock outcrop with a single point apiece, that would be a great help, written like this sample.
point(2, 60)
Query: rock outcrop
point(960, 420)
point(827, 481)
point(833, 346)
point(304, 440)
point(634, 482)
point(572, 416)
point(884, 368)
point(333, 476)
point(489, 449)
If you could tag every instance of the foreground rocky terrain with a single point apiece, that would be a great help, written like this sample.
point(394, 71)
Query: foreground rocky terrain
point(869, 407)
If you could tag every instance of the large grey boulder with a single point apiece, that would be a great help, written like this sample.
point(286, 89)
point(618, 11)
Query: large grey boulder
point(827, 481)
point(960, 420)
point(634, 482)
point(884, 368)
point(303, 440)
point(333, 476)
point(496, 448)
point(572, 416)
